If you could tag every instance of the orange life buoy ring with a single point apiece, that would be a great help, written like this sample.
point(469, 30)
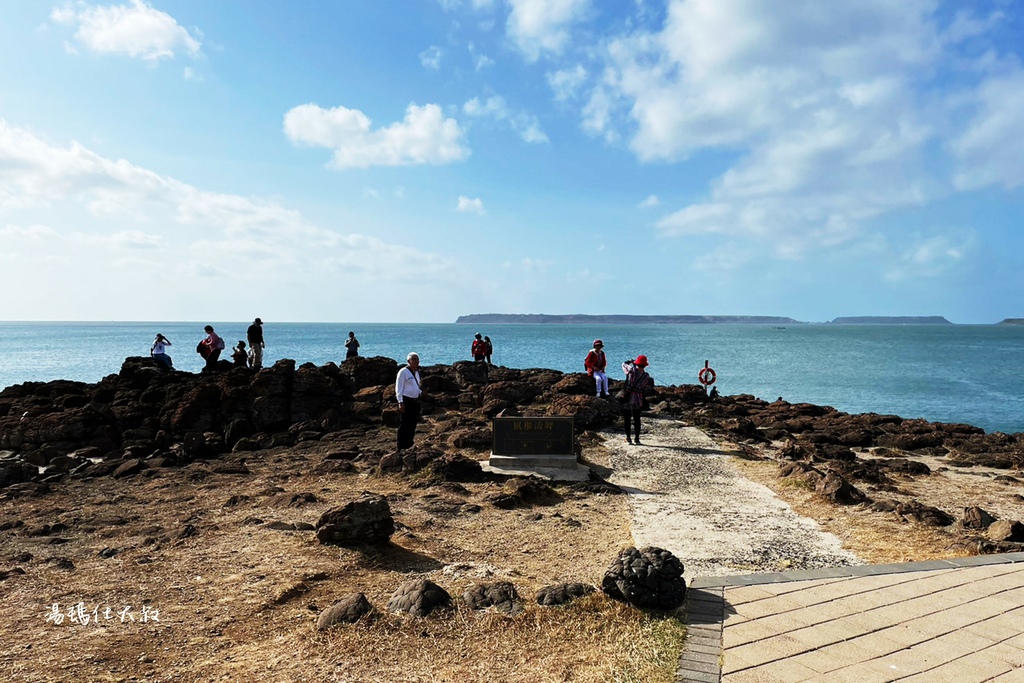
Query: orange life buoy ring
point(706, 376)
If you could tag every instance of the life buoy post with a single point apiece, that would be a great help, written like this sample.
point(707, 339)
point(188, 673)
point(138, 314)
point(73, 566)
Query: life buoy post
point(706, 376)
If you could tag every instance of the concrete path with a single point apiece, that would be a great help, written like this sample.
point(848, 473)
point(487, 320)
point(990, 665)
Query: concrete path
point(686, 496)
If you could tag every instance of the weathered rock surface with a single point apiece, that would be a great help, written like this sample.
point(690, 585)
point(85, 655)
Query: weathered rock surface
point(650, 578)
point(366, 521)
point(562, 593)
point(502, 596)
point(348, 610)
point(419, 597)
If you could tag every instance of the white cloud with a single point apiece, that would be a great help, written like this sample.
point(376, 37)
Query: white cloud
point(431, 57)
point(483, 62)
point(929, 257)
point(424, 136)
point(543, 26)
point(827, 115)
point(652, 200)
point(136, 30)
point(109, 220)
point(523, 123)
point(991, 149)
point(566, 83)
point(470, 205)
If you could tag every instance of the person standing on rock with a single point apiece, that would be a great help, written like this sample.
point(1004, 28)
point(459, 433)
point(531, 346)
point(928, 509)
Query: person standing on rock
point(488, 349)
point(213, 345)
point(479, 349)
point(408, 392)
point(255, 336)
point(159, 352)
point(637, 381)
point(351, 346)
point(595, 363)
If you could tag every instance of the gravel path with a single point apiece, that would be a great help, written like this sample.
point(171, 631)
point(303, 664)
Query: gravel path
point(687, 497)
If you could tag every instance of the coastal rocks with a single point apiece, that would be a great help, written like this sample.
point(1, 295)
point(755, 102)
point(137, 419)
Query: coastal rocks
point(913, 511)
point(365, 521)
point(562, 593)
point(418, 597)
point(649, 578)
point(502, 596)
point(348, 610)
point(1006, 530)
point(374, 371)
point(520, 492)
point(839, 491)
point(976, 518)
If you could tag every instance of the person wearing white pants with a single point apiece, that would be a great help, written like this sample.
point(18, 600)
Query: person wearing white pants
point(595, 365)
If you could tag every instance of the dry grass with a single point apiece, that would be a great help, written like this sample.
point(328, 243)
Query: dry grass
point(877, 538)
point(238, 601)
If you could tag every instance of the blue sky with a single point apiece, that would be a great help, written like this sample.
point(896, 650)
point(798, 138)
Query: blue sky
point(417, 160)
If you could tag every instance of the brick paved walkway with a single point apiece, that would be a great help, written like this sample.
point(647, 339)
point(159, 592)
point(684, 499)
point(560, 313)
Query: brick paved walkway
point(959, 620)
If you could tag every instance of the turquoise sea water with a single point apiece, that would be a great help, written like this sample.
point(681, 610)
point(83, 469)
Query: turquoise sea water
point(948, 373)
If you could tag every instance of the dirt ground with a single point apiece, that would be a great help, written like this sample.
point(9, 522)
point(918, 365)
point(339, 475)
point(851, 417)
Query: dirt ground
point(182, 576)
point(216, 594)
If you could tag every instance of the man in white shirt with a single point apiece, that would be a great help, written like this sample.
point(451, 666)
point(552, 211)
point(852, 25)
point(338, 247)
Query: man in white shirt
point(407, 391)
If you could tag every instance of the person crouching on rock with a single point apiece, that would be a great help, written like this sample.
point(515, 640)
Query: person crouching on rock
point(239, 356)
point(637, 381)
point(212, 346)
point(408, 392)
point(595, 364)
point(159, 352)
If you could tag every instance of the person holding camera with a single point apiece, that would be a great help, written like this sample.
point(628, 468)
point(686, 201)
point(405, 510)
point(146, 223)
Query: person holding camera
point(159, 352)
point(637, 382)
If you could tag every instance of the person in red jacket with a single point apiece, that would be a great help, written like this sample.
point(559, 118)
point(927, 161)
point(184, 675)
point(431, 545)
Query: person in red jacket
point(595, 365)
point(479, 349)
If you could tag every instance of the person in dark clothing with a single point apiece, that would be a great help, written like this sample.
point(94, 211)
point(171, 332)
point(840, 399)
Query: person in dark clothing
point(408, 392)
point(255, 336)
point(637, 382)
point(351, 346)
point(238, 355)
point(488, 350)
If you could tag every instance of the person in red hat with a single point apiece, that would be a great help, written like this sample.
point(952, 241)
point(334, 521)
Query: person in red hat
point(637, 381)
point(595, 364)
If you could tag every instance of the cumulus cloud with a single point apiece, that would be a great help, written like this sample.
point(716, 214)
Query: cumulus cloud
point(136, 30)
point(524, 124)
point(424, 136)
point(929, 257)
point(470, 205)
point(823, 113)
point(543, 26)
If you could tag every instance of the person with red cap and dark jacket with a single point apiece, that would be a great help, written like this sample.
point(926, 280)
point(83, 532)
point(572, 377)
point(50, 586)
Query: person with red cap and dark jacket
point(595, 364)
point(479, 348)
point(637, 381)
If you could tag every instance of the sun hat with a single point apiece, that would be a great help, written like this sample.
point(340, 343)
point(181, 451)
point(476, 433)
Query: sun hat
point(641, 360)
point(598, 342)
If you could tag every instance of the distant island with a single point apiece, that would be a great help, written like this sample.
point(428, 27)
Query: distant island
point(581, 319)
point(1012, 321)
point(892, 320)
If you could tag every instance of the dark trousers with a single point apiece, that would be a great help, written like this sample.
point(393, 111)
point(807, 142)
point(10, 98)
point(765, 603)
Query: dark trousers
point(211, 360)
point(407, 421)
point(627, 415)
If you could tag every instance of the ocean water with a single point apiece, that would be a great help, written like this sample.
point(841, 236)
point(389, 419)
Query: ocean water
point(949, 373)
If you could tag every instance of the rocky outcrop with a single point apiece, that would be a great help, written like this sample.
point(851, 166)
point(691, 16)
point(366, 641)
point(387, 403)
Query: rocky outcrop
point(366, 521)
point(649, 578)
point(562, 593)
point(419, 597)
point(502, 596)
point(348, 610)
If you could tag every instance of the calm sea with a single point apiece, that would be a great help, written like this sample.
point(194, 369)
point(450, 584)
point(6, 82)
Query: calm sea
point(948, 373)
